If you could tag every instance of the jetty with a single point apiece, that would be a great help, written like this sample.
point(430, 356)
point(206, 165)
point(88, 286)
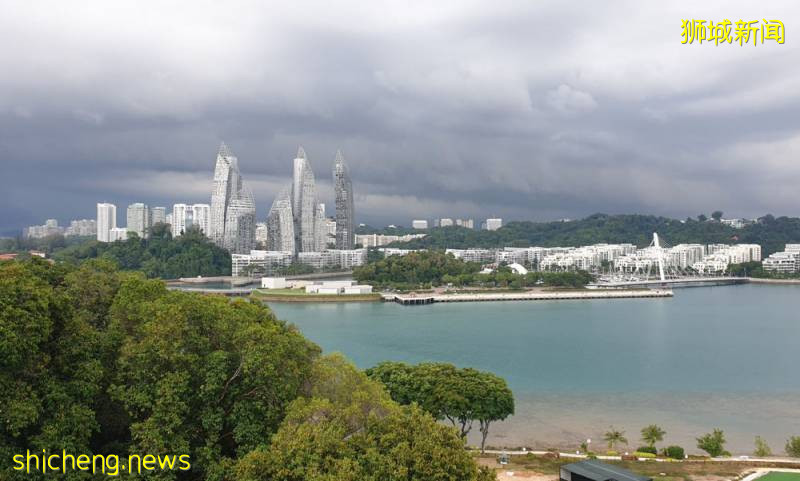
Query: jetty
point(534, 295)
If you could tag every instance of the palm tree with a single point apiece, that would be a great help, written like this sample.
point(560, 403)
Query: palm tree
point(652, 434)
point(613, 437)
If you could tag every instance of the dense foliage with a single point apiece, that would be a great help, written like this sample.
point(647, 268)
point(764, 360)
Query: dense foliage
point(460, 396)
point(97, 361)
point(346, 428)
point(674, 452)
point(713, 443)
point(769, 232)
point(414, 269)
point(189, 255)
point(793, 446)
point(435, 268)
point(48, 244)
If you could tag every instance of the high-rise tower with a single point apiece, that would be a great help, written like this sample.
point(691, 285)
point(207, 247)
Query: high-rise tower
point(106, 220)
point(280, 223)
point(233, 210)
point(305, 206)
point(345, 212)
point(138, 216)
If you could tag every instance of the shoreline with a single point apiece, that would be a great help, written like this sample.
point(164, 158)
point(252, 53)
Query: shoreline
point(763, 280)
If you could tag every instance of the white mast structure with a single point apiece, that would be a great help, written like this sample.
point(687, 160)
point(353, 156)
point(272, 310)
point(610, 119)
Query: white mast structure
point(660, 256)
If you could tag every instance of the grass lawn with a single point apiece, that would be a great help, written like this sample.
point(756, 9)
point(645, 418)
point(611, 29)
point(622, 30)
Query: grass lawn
point(778, 476)
point(282, 292)
point(300, 295)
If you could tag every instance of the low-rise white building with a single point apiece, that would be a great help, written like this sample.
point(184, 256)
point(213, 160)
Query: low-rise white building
point(343, 258)
point(337, 288)
point(117, 233)
point(273, 283)
point(375, 240)
point(419, 224)
point(494, 224)
point(786, 262)
point(393, 251)
point(473, 255)
point(262, 262)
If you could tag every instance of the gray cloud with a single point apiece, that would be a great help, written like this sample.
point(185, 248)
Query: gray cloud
point(520, 110)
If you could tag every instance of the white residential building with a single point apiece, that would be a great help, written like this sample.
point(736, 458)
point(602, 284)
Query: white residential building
point(782, 262)
point(262, 233)
point(138, 216)
point(263, 262)
point(494, 224)
point(201, 217)
point(376, 240)
point(482, 256)
point(106, 220)
point(786, 262)
point(117, 233)
point(342, 258)
point(50, 227)
point(158, 215)
point(83, 227)
point(391, 251)
point(468, 223)
point(181, 219)
point(419, 224)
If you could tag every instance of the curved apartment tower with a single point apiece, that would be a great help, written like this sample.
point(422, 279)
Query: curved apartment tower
point(305, 207)
point(280, 223)
point(233, 210)
point(343, 186)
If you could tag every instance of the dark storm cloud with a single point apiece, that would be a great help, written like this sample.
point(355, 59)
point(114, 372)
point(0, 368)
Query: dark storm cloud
point(512, 109)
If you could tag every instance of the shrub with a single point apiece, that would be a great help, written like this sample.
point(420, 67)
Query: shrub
point(713, 443)
point(612, 453)
point(674, 452)
point(793, 446)
point(640, 454)
point(762, 448)
point(647, 449)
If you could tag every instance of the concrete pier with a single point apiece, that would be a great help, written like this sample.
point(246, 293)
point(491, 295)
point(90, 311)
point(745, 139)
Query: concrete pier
point(421, 299)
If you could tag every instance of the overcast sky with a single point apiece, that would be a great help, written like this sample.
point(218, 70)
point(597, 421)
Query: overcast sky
point(524, 110)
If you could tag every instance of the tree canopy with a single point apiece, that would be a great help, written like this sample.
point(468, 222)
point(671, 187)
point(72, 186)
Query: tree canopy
point(98, 361)
point(460, 396)
point(160, 255)
point(436, 268)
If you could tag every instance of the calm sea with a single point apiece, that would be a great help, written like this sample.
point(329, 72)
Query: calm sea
point(726, 357)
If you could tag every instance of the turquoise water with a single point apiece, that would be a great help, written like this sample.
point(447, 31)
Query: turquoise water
point(726, 357)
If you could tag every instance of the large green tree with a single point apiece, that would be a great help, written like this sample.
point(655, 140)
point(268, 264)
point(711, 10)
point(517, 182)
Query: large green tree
point(96, 361)
point(203, 375)
point(713, 443)
point(55, 354)
point(460, 396)
point(346, 428)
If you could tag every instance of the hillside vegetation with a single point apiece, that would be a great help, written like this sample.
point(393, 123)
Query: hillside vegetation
point(769, 232)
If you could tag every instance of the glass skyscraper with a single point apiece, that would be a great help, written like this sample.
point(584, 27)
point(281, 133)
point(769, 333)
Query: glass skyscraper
point(345, 212)
point(233, 209)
